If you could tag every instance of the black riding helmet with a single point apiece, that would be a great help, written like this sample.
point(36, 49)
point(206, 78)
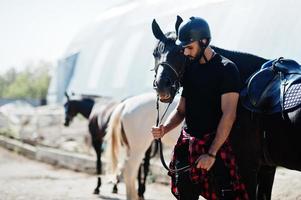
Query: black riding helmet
point(195, 29)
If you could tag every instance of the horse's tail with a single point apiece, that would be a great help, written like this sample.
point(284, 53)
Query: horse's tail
point(115, 137)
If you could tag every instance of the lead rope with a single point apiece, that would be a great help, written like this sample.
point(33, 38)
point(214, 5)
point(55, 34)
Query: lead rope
point(158, 141)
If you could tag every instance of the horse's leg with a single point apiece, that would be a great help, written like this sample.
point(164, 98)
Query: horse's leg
point(144, 168)
point(248, 164)
point(130, 173)
point(115, 188)
point(139, 178)
point(265, 182)
point(249, 173)
point(246, 145)
point(97, 148)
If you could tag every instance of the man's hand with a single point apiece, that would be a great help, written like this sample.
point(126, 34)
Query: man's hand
point(205, 162)
point(158, 132)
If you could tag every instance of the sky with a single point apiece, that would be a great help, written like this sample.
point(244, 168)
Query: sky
point(34, 30)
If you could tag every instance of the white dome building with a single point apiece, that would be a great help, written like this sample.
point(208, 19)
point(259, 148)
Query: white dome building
point(113, 56)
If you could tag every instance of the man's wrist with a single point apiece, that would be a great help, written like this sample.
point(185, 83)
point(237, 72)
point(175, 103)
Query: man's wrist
point(212, 150)
point(211, 155)
point(165, 129)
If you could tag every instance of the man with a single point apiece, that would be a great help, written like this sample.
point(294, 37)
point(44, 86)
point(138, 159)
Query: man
point(208, 104)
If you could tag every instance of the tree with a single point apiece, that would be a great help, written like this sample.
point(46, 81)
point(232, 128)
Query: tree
point(32, 82)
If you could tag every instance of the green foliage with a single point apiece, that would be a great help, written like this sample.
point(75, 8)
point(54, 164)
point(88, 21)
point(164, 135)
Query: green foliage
point(7, 79)
point(32, 82)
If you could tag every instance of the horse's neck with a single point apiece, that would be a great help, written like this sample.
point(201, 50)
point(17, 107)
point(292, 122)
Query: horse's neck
point(246, 63)
point(84, 108)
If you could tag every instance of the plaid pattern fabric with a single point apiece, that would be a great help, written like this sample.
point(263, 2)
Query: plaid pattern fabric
point(197, 147)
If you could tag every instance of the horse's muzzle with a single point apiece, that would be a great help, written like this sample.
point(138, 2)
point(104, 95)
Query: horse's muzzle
point(165, 98)
point(66, 123)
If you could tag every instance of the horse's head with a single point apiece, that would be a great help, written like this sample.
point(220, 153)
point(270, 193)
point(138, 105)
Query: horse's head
point(69, 110)
point(170, 63)
point(73, 107)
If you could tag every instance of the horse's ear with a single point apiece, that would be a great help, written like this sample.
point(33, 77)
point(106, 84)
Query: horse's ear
point(178, 22)
point(67, 96)
point(157, 31)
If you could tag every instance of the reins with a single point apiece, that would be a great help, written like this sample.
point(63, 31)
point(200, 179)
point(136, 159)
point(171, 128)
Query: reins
point(176, 86)
point(159, 121)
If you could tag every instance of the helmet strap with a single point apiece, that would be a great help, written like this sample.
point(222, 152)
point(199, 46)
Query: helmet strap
point(202, 51)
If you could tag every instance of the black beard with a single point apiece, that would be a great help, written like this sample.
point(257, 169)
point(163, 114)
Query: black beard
point(199, 54)
point(191, 58)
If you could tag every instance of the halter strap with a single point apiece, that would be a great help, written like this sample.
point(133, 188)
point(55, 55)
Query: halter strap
point(168, 65)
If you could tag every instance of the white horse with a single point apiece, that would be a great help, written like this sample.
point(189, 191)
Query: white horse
point(130, 127)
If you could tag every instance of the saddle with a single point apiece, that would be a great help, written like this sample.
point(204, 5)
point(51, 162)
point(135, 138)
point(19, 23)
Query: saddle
point(276, 87)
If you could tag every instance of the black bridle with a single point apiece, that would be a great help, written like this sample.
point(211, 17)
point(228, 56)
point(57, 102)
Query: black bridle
point(176, 86)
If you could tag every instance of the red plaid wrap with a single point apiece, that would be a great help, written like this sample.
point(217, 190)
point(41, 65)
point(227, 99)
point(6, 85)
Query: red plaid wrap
point(197, 147)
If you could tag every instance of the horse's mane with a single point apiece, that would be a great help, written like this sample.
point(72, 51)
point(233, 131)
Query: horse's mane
point(88, 100)
point(246, 63)
point(171, 35)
